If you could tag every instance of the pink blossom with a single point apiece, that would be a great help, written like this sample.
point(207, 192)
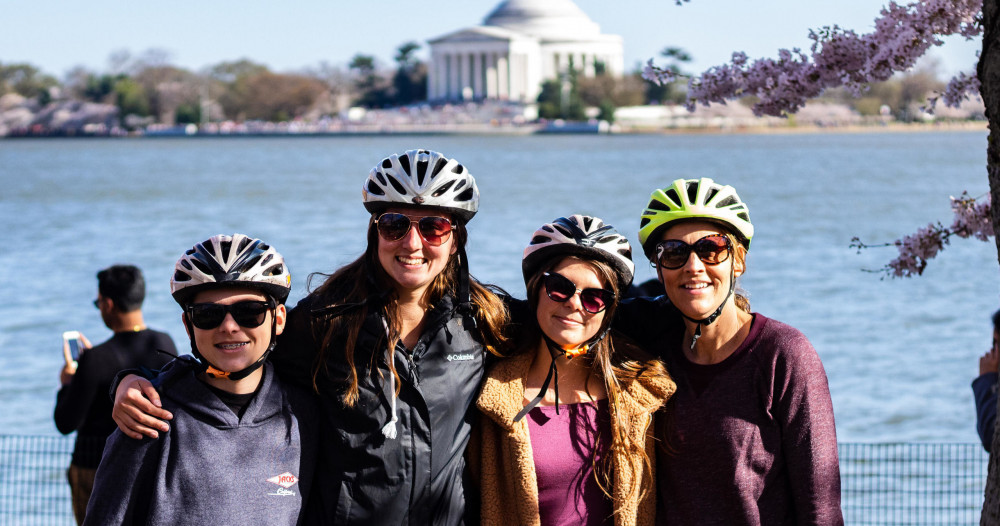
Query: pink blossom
point(838, 57)
point(972, 219)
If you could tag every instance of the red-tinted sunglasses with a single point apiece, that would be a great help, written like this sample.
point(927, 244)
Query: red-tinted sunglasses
point(434, 230)
point(560, 289)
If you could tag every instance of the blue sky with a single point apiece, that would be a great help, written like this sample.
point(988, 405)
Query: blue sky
point(55, 36)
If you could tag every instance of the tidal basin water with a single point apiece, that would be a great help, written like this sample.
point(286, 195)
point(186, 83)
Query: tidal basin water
point(900, 354)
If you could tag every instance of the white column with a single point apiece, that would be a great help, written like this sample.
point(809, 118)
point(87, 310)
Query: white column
point(512, 92)
point(477, 75)
point(453, 77)
point(466, 76)
point(503, 75)
point(491, 75)
point(442, 77)
point(434, 77)
point(517, 77)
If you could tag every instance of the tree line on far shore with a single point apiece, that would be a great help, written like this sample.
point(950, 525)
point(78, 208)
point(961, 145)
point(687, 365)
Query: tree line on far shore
point(148, 89)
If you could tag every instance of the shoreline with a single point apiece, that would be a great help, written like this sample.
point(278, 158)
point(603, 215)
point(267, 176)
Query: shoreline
point(479, 130)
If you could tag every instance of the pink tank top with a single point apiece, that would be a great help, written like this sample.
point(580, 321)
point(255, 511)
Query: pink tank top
point(563, 447)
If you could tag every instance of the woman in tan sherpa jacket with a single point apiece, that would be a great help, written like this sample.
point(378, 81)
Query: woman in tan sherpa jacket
point(581, 450)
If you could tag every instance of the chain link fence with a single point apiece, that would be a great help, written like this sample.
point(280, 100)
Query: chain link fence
point(881, 484)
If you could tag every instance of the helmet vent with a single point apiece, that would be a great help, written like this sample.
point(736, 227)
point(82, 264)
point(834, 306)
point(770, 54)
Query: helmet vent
point(672, 194)
point(386, 163)
point(538, 240)
point(466, 195)
point(438, 166)
point(251, 263)
point(656, 204)
point(381, 178)
point(729, 201)
point(267, 258)
point(444, 188)
point(396, 185)
point(374, 188)
point(226, 247)
point(181, 276)
point(421, 171)
point(200, 265)
point(692, 191)
point(404, 161)
point(246, 241)
point(208, 246)
point(273, 271)
point(185, 264)
point(643, 222)
point(744, 216)
point(711, 194)
point(587, 221)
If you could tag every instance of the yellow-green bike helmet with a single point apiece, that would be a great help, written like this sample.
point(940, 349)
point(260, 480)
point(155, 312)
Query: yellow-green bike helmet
point(702, 199)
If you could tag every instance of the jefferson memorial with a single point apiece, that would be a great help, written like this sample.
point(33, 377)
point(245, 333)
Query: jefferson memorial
point(520, 44)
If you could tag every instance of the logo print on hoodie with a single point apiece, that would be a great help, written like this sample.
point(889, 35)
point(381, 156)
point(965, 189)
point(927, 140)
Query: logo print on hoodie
point(285, 480)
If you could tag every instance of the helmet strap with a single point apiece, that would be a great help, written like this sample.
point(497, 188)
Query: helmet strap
point(215, 372)
point(554, 351)
point(711, 317)
point(465, 306)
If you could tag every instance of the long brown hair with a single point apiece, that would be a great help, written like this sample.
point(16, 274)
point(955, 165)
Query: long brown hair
point(354, 284)
point(615, 360)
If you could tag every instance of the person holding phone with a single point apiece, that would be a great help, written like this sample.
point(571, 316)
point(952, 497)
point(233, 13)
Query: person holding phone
point(82, 404)
point(984, 388)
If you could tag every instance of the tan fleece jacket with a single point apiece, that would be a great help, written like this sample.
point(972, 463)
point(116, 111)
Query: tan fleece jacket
point(501, 449)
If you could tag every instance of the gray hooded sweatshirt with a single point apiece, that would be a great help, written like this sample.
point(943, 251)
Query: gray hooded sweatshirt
point(212, 467)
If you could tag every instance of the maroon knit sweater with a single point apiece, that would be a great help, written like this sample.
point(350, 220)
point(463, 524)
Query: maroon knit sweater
point(753, 437)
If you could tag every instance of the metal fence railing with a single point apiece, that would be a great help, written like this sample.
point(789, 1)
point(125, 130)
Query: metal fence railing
point(881, 484)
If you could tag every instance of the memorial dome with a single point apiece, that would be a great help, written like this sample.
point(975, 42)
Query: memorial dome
point(544, 19)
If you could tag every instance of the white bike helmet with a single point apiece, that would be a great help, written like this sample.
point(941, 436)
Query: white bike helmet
point(230, 261)
point(579, 235)
point(422, 178)
point(226, 261)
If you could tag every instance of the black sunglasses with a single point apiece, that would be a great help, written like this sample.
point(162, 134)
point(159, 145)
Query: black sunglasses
point(249, 314)
point(711, 250)
point(560, 289)
point(434, 230)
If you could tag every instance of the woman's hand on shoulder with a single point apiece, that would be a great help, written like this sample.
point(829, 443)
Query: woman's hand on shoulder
point(137, 409)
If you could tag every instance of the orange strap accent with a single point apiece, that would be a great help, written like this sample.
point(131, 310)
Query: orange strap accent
point(215, 373)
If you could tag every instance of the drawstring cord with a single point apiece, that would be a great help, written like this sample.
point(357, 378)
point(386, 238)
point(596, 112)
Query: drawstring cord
point(389, 429)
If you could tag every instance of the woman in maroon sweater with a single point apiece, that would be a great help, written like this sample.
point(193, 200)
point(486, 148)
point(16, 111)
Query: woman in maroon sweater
point(749, 436)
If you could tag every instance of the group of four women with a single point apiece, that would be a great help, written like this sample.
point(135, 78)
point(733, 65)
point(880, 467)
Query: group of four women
point(445, 401)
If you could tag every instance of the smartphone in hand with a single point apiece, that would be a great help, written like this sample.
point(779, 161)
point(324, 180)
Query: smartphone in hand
point(72, 338)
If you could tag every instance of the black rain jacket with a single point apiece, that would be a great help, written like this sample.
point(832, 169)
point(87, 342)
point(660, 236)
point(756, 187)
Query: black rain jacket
point(364, 477)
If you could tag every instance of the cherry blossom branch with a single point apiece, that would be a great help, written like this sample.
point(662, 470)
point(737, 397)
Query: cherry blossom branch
point(839, 57)
point(972, 219)
point(959, 89)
